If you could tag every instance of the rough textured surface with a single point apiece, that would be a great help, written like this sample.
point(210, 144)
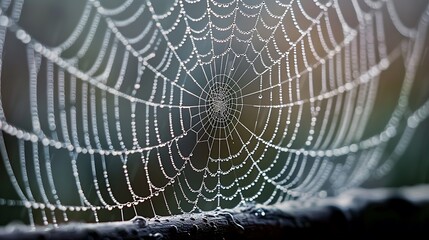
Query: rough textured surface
point(357, 214)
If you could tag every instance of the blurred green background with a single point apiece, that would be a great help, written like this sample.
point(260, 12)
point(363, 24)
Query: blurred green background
point(51, 21)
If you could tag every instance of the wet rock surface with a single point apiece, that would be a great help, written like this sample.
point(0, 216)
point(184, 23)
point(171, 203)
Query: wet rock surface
point(357, 213)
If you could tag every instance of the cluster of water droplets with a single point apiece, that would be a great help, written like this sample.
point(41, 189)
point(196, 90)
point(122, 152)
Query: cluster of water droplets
point(160, 108)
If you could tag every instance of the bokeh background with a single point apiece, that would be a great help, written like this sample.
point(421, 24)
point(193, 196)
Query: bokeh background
point(51, 21)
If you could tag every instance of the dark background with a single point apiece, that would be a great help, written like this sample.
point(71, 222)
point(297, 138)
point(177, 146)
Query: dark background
point(50, 21)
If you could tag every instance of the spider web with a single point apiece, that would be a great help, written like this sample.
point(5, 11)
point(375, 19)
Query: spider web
point(166, 107)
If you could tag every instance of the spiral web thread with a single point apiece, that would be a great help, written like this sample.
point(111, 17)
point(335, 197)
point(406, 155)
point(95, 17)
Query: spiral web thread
point(166, 107)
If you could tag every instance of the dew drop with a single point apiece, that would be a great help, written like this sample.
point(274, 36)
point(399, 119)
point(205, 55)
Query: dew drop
point(195, 228)
point(27, 204)
point(4, 21)
point(157, 236)
point(139, 221)
point(259, 212)
point(174, 229)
